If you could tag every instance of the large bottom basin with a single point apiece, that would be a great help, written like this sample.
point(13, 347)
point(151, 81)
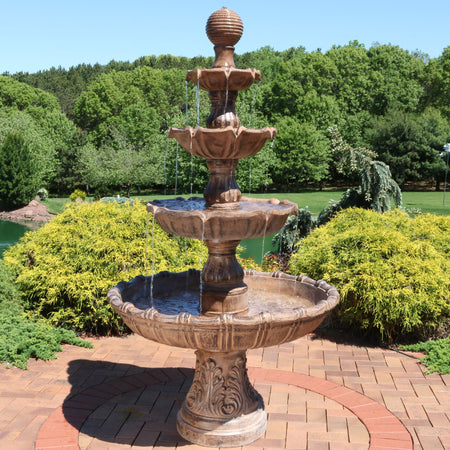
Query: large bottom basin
point(165, 308)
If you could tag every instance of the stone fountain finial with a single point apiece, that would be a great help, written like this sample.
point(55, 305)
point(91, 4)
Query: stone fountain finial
point(224, 29)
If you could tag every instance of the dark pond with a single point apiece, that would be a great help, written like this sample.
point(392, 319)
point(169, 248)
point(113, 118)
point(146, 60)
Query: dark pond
point(253, 248)
point(11, 232)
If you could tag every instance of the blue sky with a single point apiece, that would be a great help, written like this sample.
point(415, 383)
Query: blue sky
point(36, 35)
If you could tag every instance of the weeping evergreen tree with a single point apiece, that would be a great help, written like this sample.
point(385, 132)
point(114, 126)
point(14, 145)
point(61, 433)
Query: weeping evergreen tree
point(376, 190)
point(377, 187)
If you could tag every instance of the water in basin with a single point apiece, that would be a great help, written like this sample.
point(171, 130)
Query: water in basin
point(187, 301)
point(199, 204)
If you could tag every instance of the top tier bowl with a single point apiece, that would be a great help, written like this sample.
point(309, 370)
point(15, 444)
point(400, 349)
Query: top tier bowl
point(229, 78)
point(224, 143)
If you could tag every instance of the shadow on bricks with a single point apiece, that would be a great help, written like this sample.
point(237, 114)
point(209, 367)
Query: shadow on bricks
point(124, 403)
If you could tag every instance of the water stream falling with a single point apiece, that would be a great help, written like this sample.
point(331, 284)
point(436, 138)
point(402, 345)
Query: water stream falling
point(192, 164)
point(187, 124)
point(187, 112)
point(201, 264)
point(266, 179)
point(176, 170)
point(146, 242)
point(226, 94)
point(243, 103)
point(165, 166)
point(264, 236)
point(197, 98)
point(153, 260)
point(252, 106)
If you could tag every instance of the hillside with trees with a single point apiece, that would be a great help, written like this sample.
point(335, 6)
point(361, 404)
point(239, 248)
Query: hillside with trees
point(104, 128)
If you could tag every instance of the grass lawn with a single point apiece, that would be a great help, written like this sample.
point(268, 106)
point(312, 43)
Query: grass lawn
point(430, 202)
point(56, 205)
point(427, 202)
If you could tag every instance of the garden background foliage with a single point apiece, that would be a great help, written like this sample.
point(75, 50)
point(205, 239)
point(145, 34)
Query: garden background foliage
point(392, 271)
point(65, 268)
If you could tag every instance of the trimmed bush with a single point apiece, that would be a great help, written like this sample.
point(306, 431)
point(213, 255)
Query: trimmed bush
point(65, 268)
point(392, 271)
point(78, 193)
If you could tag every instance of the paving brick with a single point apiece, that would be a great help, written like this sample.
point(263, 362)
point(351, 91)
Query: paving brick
point(276, 429)
point(431, 442)
point(420, 400)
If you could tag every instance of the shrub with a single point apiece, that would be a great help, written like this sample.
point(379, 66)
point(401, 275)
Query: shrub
point(437, 357)
point(20, 338)
point(77, 193)
point(392, 271)
point(43, 194)
point(119, 200)
point(65, 268)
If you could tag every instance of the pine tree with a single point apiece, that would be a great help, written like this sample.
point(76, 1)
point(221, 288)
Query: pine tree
point(18, 177)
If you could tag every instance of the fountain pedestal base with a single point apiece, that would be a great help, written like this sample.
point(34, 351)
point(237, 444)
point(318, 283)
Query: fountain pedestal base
point(221, 409)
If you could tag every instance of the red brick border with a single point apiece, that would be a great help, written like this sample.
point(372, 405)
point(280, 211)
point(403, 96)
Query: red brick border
point(385, 430)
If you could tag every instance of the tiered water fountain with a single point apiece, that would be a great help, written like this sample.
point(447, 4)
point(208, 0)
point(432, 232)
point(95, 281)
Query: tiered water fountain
point(222, 311)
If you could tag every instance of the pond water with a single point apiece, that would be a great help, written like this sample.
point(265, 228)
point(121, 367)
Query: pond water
point(11, 232)
point(253, 248)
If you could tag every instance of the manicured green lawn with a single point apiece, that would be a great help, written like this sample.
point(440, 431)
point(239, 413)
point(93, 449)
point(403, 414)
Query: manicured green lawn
point(56, 205)
point(426, 202)
point(430, 202)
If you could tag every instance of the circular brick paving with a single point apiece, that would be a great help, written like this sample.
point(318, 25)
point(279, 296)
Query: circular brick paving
point(140, 411)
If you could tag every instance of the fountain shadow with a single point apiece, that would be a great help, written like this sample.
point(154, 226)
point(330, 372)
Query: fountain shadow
point(345, 335)
point(125, 404)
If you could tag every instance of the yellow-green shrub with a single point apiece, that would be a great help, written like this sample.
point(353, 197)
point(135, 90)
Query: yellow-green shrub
point(65, 268)
point(78, 193)
point(392, 271)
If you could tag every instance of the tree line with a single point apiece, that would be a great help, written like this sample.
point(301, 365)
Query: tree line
point(104, 128)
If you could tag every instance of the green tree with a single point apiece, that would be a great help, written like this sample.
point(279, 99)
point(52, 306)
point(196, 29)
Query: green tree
point(437, 83)
point(352, 86)
point(119, 163)
point(14, 94)
point(309, 74)
point(265, 59)
point(48, 133)
point(113, 92)
point(18, 180)
point(302, 154)
point(396, 79)
point(410, 144)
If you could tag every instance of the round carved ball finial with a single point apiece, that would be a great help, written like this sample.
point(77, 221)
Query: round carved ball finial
point(224, 27)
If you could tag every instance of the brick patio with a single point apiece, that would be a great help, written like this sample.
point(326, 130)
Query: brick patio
point(319, 394)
